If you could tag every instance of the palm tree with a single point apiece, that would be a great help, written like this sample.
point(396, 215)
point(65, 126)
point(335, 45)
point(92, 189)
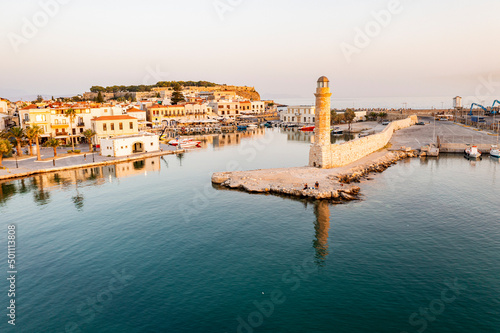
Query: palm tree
point(36, 131)
point(5, 148)
point(71, 113)
point(32, 134)
point(88, 134)
point(18, 134)
point(54, 143)
point(382, 115)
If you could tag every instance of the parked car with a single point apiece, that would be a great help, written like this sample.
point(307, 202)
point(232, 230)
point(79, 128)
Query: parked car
point(386, 122)
point(421, 123)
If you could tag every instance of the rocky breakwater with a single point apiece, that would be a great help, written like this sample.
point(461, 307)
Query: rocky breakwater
point(290, 182)
point(362, 172)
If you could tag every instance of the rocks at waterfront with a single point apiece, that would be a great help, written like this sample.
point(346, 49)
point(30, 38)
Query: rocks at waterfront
point(360, 173)
point(334, 185)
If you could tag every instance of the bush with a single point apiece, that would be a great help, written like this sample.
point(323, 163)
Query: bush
point(77, 151)
point(70, 151)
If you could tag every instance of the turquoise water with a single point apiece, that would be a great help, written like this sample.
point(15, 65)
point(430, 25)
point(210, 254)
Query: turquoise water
point(153, 247)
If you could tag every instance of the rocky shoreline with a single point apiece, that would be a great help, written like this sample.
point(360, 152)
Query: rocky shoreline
point(334, 183)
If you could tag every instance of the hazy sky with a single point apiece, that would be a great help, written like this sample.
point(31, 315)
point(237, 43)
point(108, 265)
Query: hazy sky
point(424, 48)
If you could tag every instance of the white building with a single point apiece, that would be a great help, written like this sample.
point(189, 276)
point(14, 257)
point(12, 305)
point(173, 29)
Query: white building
point(457, 102)
point(298, 114)
point(258, 107)
point(129, 145)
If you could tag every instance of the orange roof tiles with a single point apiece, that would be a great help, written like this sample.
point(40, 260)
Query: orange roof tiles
point(123, 117)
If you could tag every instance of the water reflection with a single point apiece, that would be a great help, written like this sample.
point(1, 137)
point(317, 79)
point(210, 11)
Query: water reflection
point(41, 185)
point(321, 228)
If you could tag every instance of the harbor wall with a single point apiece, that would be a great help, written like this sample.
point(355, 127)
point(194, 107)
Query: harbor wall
point(337, 155)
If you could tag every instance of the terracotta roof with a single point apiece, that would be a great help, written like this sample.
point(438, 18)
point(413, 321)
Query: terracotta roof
point(29, 107)
point(124, 117)
point(135, 110)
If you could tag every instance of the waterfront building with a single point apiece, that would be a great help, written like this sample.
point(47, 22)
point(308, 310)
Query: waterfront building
point(130, 144)
point(227, 109)
point(157, 114)
point(298, 114)
point(107, 127)
point(457, 102)
point(197, 110)
point(258, 107)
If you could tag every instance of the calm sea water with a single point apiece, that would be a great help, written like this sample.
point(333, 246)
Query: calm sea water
point(152, 247)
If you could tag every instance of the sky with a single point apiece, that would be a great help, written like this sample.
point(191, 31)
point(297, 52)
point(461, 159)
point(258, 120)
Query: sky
point(367, 48)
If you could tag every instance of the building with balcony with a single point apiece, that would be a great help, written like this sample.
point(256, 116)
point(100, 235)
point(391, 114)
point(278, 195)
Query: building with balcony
point(107, 127)
point(298, 114)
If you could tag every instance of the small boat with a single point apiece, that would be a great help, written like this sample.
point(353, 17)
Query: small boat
point(184, 143)
point(307, 128)
point(242, 127)
point(337, 130)
point(252, 126)
point(472, 152)
point(494, 152)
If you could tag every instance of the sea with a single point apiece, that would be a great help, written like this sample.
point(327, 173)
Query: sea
point(153, 246)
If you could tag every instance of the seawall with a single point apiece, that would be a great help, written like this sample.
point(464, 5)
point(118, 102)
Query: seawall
point(338, 155)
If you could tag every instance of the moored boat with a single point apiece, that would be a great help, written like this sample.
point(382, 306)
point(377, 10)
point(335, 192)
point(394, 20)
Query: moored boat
point(184, 143)
point(494, 152)
point(337, 130)
point(242, 127)
point(472, 152)
point(307, 128)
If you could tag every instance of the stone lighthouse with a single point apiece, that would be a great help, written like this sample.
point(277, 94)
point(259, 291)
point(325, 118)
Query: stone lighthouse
point(320, 148)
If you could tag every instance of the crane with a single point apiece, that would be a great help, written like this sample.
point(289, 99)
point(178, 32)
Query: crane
point(493, 111)
point(482, 107)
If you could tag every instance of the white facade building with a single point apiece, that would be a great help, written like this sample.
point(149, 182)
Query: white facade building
point(129, 145)
point(298, 114)
point(258, 107)
point(457, 102)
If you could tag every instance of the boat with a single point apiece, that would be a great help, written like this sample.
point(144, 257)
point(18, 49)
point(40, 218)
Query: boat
point(472, 152)
point(242, 127)
point(307, 128)
point(184, 143)
point(252, 126)
point(337, 130)
point(494, 151)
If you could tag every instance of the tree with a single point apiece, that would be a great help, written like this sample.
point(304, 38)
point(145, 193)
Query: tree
point(5, 148)
point(71, 114)
point(39, 98)
point(54, 143)
point(18, 134)
point(30, 136)
point(33, 133)
point(373, 115)
point(88, 134)
point(99, 98)
point(349, 116)
point(333, 116)
point(382, 115)
point(339, 118)
point(177, 95)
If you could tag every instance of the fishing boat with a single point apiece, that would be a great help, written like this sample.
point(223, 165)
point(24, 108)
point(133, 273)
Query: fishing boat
point(307, 128)
point(337, 130)
point(472, 152)
point(494, 152)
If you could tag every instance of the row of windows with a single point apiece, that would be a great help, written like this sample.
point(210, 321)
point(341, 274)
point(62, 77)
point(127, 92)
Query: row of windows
point(112, 126)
